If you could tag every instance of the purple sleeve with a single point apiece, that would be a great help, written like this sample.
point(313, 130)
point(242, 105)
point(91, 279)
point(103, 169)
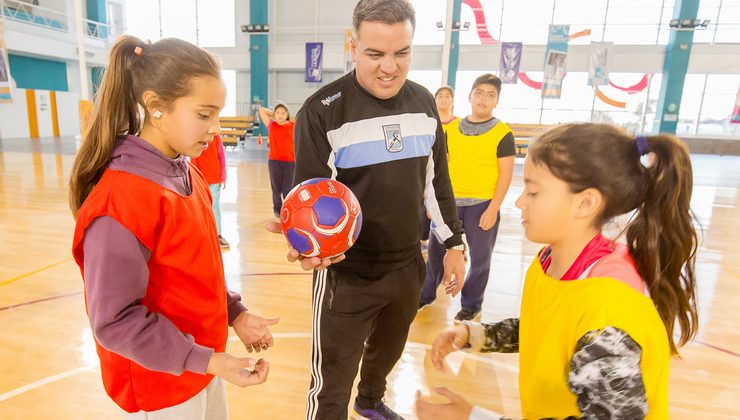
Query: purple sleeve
point(234, 305)
point(222, 160)
point(116, 279)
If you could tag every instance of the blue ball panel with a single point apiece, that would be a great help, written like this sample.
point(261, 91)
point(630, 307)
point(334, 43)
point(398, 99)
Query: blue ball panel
point(329, 211)
point(298, 241)
point(358, 227)
point(313, 181)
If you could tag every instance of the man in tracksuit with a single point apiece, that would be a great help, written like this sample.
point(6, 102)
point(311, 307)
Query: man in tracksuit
point(380, 135)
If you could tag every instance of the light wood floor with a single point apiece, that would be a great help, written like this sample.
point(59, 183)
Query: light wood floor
point(48, 365)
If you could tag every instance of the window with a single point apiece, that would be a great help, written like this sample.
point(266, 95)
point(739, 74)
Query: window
point(208, 23)
point(526, 23)
point(428, 13)
point(690, 103)
point(216, 23)
point(229, 77)
point(717, 106)
point(491, 15)
point(178, 20)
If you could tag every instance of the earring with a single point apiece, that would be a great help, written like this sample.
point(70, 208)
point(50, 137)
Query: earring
point(157, 113)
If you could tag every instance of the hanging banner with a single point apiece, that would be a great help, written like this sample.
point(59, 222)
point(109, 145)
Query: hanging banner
point(5, 93)
point(555, 58)
point(736, 112)
point(314, 53)
point(511, 56)
point(349, 65)
point(598, 74)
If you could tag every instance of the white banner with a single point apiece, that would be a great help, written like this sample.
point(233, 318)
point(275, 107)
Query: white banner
point(598, 72)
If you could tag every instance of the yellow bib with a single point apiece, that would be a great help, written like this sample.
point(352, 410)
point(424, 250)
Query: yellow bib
point(556, 314)
point(473, 160)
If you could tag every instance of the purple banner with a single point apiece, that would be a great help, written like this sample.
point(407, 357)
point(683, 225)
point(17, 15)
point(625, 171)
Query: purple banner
point(511, 56)
point(314, 53)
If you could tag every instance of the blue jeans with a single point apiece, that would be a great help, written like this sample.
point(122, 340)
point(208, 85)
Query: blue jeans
point(480, 244)
point(216, 206)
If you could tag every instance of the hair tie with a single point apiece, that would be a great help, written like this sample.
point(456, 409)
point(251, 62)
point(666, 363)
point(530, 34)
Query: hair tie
point(137, 50)
point(642, 145)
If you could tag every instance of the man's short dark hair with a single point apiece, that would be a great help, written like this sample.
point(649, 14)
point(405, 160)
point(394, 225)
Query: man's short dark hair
point(383, 11)
point(487, 79)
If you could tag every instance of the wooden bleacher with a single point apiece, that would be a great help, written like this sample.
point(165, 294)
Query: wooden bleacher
point(523, 134)
point(236, 129)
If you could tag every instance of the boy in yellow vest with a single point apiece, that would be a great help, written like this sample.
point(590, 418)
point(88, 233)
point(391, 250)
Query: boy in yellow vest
point(481, 164)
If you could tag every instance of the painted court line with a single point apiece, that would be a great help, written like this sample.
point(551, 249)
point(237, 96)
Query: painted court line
point(22, 276)
point(48, 380)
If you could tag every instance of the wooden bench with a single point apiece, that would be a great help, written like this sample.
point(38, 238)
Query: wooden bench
point(236, 129)
point(523, 134)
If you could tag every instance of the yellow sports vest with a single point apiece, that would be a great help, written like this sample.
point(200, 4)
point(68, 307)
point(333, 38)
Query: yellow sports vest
point(473, 160)
point(447, 124)
point(556, 314)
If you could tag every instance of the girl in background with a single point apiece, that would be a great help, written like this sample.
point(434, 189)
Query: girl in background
point(281, 157)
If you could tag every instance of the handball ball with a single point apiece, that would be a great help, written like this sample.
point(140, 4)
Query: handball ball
point(321, 217)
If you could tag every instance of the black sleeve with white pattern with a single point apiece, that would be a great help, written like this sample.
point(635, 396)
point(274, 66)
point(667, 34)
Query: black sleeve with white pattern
point(501, 337)
point(604, 374)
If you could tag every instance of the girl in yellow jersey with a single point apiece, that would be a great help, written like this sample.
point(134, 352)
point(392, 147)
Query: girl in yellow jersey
point(597, 319)
point(444, 97)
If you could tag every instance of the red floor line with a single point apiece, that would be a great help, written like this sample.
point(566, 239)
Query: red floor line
point(46, 299)
point(712, 346)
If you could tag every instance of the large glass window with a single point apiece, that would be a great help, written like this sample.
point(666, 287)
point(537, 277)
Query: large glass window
point(526, 22)
point(428, 13)
point(179, 19)
point(520, 103)
point(229, 77)
point(633, 21)
point(649, 108)
point(690, 103)
point(208, 23)
point(728, 24)
point(717, 106)
point(491, 16)
point(641, 22)
point(216, 23)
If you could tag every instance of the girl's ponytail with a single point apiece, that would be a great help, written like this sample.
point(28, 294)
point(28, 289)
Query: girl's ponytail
point(662, 238)
point(116, 113)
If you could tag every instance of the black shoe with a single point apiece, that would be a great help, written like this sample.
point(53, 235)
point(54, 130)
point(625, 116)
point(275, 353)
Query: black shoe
point(466, 315)
point(223, 243)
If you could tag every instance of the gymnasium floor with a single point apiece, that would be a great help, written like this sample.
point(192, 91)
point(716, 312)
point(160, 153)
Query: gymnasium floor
point(48, 365)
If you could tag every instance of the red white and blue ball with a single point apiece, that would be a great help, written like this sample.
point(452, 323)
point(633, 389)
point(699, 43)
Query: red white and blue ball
point(321, 217)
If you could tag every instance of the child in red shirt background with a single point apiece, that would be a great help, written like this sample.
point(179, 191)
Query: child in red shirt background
point(281, 156)
point(212, 163)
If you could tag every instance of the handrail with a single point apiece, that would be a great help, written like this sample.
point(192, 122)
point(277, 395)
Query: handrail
point(24, 12)
point(35, 15)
